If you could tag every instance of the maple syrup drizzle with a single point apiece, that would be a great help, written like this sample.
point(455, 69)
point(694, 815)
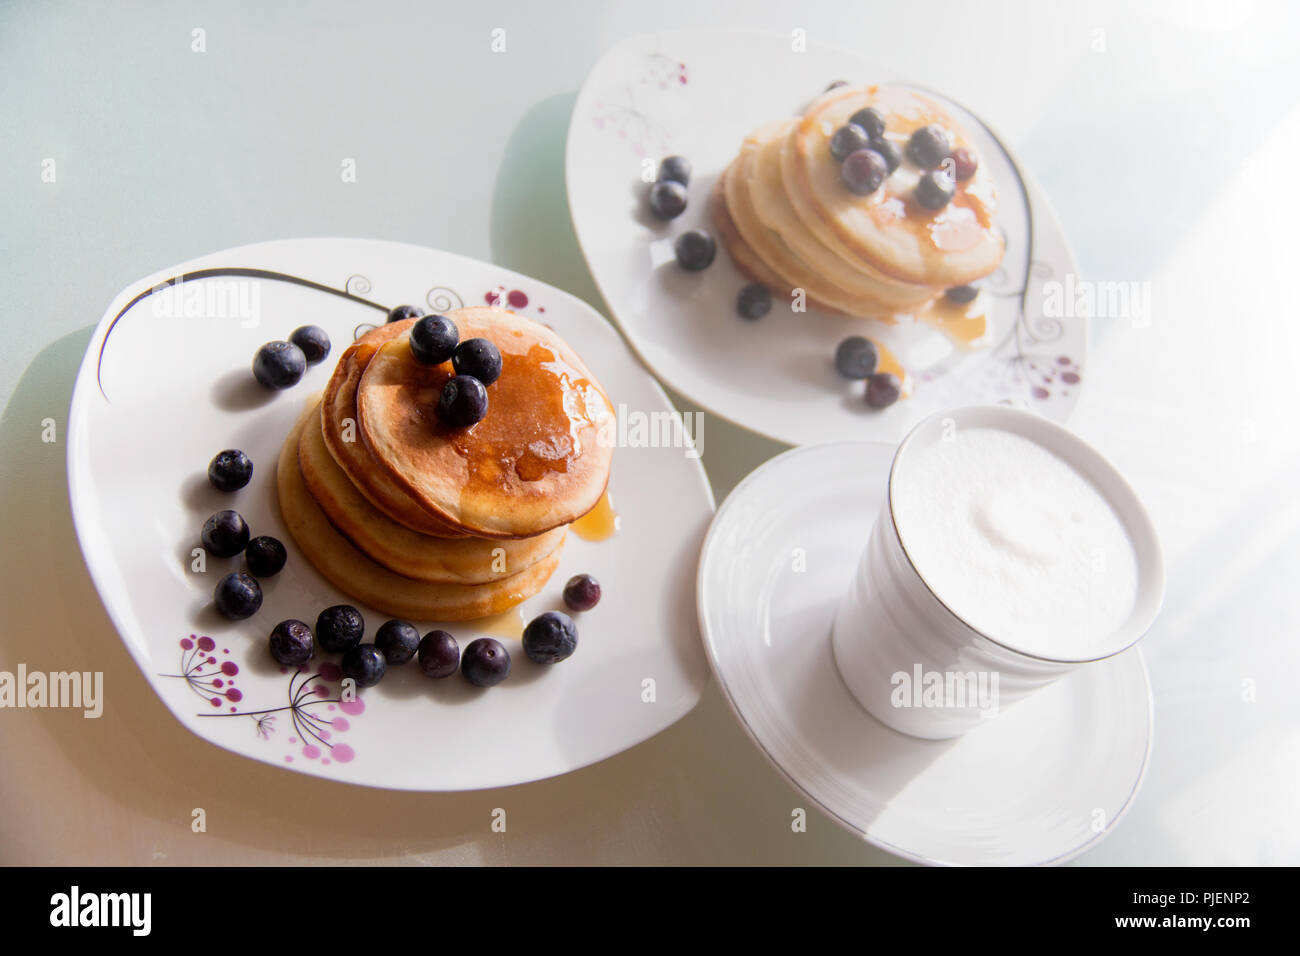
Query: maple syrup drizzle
point(600, 523)
point(506, 624)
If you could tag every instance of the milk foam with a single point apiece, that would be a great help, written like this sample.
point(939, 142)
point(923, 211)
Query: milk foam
point(1016, 542)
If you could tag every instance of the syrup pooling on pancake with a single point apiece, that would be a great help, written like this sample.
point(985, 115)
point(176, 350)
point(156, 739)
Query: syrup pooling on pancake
point(562, 406)
point(534, 461)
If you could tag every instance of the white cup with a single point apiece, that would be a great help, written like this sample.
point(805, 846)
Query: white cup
point(891, 623)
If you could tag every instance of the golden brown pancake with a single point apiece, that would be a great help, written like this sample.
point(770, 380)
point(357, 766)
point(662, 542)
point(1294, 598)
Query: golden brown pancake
point(772, 249)
point(540, 457)
point(888, 231)
point(462, 560)
point(765, 190)
point(357, 576)
point(745, 258)
point(339, 406)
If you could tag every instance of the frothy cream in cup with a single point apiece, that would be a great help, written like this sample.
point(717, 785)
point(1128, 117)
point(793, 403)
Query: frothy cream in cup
point(1007, 552)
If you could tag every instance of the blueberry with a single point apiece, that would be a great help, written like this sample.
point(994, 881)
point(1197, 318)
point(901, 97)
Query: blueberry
point(872, 123)
point(464, 401)
point(929, 146)
point(340, 628)
point(888, 152)
point(856, 357)
point(400, 312)
point(230, 470)
point(964, 163)
point(433, 339)
point(848, 139)
point(279, 364)
point(313, 341)
point(935, 189)
point(479, 358)
point(961, 294)
point(863, 171)
point(695, 250)
point(667, 199)
point(238, 595)
point(291, 643)
point(581, 593)
point(550, 638)
point(225, 534)
point(365, 664)
point(883, 389)
point(675, 169)
point(265, 556)
point(399, 640)
point(754, 301)
point(485, 662)
point(439, 654)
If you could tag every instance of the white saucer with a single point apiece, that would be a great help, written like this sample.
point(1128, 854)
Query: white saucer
point(1038, 784)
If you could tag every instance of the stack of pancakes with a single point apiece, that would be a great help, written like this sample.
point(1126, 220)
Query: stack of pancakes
point(789, 222)
point(427, 522)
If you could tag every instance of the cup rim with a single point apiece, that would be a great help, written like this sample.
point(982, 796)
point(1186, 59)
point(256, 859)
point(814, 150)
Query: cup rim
point(1133, 516)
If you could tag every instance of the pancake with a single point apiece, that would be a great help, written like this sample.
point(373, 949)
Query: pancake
point(340, 405)
point(746, 260)
point(539, 459)
point(888, 231)
point(771, 204)
point(772, 249)
point(463, 560)
point(356, 575)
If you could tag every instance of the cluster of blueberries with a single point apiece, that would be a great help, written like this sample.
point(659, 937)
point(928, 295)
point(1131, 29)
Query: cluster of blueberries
point(696, 250)
point(548, 639)
point(867, 158)
point(225, 534)
point(281, 365)
point(477, 363)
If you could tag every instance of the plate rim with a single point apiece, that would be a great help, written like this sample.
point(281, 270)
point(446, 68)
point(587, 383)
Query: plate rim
point(85, 383)
point(1133, 653)
point(1033, 190)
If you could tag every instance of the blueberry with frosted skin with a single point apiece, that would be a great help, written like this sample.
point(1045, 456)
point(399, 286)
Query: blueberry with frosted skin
point(863, 171)
point(849, 138)
point(486, 662)
point(695, 250)
point(872, 123)
point(313, 341)
point(398, 640)
point(265, 556)
point(667, 199)
point(365, 664)
point(929, 146)
point(581, 592)
point(279, 365)
point(291, 643)
point(962, 294)
point(225, 534)
point(888, 152)
point(463, 402)
point(550, 638)
point(479, 358)
point(856, 357)
point(433, 339)
point(340, 628)
point(230, 470)
point(935, 189)
point(675, 169)
point(883, 389)
point(439, 654)
point(238, 595)
point(754, 301)
point(399, 313)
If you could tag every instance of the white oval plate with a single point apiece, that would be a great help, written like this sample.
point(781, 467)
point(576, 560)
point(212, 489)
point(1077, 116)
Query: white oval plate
point(1039, 783)
point(159, 393)
point(698, 94)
